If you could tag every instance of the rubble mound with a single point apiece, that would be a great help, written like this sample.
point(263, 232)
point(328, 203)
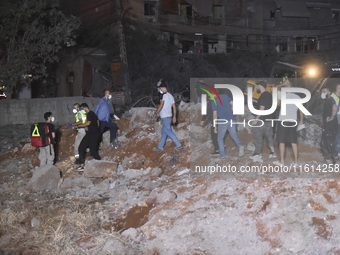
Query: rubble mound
point(138, 201)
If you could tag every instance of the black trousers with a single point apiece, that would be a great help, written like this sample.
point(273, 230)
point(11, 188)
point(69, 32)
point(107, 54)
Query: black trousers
point(112, 126)
point(328, 145)
point(214, 138)
point(89, 141)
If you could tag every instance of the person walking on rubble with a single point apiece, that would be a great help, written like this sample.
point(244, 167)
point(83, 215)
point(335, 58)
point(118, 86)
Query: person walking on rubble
point(80, 116)
point(287, 133)
point(91, 139)
point(46, 153)
point(102, 110)
point(330, 126)
point(164, 109)
point(266, 130)
point(224, 111)
point(209, 118)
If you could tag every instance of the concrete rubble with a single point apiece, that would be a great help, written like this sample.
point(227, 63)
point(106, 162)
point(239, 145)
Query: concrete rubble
point(137, 201)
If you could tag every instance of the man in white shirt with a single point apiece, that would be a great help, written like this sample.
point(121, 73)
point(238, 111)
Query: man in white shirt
point(288, 133)
point(165, 109)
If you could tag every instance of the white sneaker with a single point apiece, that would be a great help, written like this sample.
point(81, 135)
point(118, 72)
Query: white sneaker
point(80, 169)
point(272, 155)
point(115, 144)
point(256, 156)
point(277, 163)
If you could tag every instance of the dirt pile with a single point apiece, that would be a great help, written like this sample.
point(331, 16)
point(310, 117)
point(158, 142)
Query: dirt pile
point(152, 203)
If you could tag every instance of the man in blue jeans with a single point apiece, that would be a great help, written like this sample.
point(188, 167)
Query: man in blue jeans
point(102, 110)
point(224, 112)
point(164, 110)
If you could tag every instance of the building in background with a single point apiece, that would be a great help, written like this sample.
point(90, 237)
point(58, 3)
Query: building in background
point(195, 27)
point(220, 26)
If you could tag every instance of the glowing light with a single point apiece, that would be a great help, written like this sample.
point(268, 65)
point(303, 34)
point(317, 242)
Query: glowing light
point(312, 72)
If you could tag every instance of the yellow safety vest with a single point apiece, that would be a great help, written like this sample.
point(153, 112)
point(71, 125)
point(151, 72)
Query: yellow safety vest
point(83, 117)
point(335, 97)
point(337, 101)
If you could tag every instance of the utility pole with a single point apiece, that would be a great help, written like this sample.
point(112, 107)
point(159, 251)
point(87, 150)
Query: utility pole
point(122, 50)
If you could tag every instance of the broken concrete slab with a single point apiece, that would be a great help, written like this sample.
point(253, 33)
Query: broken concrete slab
point(133, 173)
point(100, 168)
point(161, 196)
point(141, 116)
point(46, 177)
point(181, 134)
point(72, 183)
point(27, 148)
point(158, 128)
point(101, 188)
point(106, 137)
point(133, 235)
point(12, 168)
point(116, 246)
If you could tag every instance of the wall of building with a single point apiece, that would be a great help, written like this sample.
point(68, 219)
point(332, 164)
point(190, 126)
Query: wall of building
point(29, 111)
point(71, 62)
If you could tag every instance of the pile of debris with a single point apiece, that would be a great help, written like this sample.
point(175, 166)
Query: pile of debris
point(137, 201)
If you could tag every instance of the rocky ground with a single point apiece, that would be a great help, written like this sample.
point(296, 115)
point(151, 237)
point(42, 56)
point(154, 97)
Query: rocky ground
point(137, 201)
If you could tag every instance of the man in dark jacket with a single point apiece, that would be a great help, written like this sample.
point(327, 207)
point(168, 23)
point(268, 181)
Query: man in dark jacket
point(265, 131)
point(91, 139)
point(330, 126)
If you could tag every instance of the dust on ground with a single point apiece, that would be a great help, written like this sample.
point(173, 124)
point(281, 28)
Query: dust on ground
point(154, 204)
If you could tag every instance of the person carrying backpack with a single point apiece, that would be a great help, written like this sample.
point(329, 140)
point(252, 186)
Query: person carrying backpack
point(46, 153)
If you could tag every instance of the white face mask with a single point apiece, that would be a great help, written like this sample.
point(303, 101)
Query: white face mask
point(323, 95)
point(52, 119)
point(75, 111)
point(160, 91)
point(83, 111)
point(109, 97)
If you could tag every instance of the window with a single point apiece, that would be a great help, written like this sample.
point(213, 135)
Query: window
point(149, 9)
point(311, 44)
point(282, 44)
point(306, 44)
point(298, 44)
point(335, 17)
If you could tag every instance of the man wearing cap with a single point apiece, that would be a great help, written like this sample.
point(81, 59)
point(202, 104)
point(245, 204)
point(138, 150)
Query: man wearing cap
point(266, 130)
point(164, 110)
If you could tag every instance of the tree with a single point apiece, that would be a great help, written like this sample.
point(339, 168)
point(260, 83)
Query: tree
point(31, 35)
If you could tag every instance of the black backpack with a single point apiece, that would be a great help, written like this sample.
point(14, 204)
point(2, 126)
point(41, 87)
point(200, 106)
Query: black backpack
point(40, 135)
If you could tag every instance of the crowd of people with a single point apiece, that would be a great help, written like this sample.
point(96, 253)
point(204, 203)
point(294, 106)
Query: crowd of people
point(286, 134)
point(90, 126)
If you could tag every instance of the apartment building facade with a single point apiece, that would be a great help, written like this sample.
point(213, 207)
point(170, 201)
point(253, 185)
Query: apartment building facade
point(220, 26)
